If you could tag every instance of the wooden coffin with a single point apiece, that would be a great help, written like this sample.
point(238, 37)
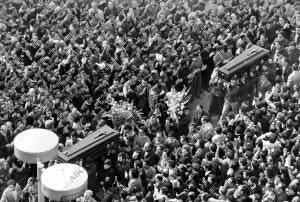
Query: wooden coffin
point(94, 145)
point(242, 62)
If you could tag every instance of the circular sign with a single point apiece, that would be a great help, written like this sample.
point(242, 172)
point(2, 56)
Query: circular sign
point(64, 182)
point(33, 144)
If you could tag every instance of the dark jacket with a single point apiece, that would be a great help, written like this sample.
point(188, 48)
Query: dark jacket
point(232, 93)
point(92, 179)
point(264, 86)
point(3, 149)
point(152, 157)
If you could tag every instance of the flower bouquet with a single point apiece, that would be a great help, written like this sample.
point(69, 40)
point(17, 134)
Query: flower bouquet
point(176, 102)
point(122, 112)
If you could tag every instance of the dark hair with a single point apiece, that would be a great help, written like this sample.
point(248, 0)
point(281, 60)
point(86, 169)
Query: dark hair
point(171, 163)
point(205, 118)
point(209, 155)
point(147, 161)
point(295, 67)
point(159, 177)
point(135, 173)
point(139, 196)
point(218, 130)
point(124, 194)
point(11, 182)
point(144, 129)
point(128, 127)
point(150, 187)
point(213, 147)
point(138, 163)
point(201, 143)
point(164, 190)
point(273, 138)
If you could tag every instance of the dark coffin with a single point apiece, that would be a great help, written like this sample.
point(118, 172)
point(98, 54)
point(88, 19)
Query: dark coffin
point(242, 62)
point(94, 145)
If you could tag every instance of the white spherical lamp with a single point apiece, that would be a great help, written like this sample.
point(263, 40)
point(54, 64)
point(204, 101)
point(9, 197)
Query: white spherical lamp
point(33, 144)
point(64, 182)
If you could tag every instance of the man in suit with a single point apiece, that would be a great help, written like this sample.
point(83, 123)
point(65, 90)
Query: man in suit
point(263, 42)
point(5, 141)
point(148, 172)
point(150, 154)
point(264, 85)
point(142, 91)
point(294, 77)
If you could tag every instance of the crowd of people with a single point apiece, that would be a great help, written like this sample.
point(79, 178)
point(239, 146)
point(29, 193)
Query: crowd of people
point(61, 59)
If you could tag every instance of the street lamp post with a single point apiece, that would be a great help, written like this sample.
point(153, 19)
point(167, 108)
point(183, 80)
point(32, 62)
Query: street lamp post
point(36, 146)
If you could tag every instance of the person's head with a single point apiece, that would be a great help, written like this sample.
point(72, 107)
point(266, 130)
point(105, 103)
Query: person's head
point(107, 164)
point(252, 181)
point(110, 5)
point(11, 184)
point(233, 82)
point(4, 129)
point(211, 179)
point(121, 157)
point(205, 197)
point(204, 119)
point(159, 135)
point(295, 67)
point(185, 150)
point(150, 187)
point(291, 190)
point(124, 194)
point(31, 181)
point(146, 163)
point(280, 35)
point(277, 45)
point(281, 20)
point(222, 190)
point(2, 163)
point(263, 77)
point(144, 82)
point(253, 19)
point(88, 195)
point(147, 146)
point(284, 61)
point(263, 38)
point(293, 45)
point(134, 173)
point(139, 196)
point(34, 38)
point(171, 164)
point(297, 87)
point(209, 156)
point(142, 131)
point(159, 150)
point(279, 187)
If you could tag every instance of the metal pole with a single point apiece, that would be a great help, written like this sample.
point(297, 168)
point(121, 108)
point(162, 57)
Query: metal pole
point(40, 167)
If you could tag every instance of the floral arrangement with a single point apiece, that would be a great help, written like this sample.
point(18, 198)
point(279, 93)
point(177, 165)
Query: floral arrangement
point(122, 112)
point(176, 102)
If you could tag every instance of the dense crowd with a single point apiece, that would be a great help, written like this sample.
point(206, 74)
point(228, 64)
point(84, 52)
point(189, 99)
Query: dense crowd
point(61, 59)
